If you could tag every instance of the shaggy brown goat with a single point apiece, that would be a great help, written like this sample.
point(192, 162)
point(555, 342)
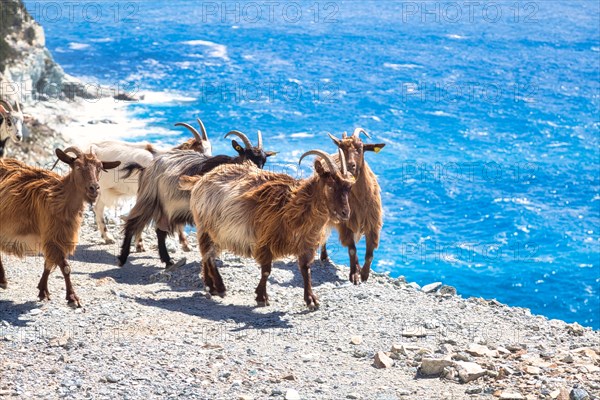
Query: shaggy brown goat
point(160, 198)
point(40, 212)
point(267, 216)
point(365, 202)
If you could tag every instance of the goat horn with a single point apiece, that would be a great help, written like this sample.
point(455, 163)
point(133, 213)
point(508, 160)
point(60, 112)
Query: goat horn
point(241, 136)
point(326, 157)
point(358, 131)
point(192, 129)
point(333, 137)
point(18, 106)
point(9, 108)
point(73, 149)
point(203, 129)
point(344, 135)
point(259, 139)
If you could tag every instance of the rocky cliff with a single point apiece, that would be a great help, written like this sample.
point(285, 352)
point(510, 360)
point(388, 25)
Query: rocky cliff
point(27, 68)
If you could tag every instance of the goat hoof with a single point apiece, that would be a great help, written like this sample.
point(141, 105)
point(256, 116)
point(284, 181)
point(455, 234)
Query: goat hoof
point(186, 248)
point(73, 301)
point(120, 263)
point(171, 265)
point(44, 295)
point(216, 292)
point(355, 278)
point(312, 302)
point(109, 240)
point(262, 301)
point(4, 285)
point(364, 277)
point(140, 248)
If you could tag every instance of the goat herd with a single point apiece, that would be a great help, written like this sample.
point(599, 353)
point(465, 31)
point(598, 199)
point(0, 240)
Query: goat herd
point(234, 204)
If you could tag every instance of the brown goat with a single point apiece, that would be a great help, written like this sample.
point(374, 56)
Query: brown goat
point(365, 202)
point(267, 216)
point(41, 212)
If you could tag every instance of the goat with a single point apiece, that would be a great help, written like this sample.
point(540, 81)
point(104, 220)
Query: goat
point(267, 216)
point(160, 199)
point(41, 212)
point(115, 188)
point(365, 202)
point(11, 124)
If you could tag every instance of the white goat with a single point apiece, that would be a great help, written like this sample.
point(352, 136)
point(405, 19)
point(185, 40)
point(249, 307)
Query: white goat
point(119, 186)
point(11, 124)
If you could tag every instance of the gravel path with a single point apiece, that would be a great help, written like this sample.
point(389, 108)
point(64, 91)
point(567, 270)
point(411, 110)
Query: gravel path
point(147, 333)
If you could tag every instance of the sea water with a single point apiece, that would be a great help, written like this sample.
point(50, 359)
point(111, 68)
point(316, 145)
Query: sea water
point(489, 113)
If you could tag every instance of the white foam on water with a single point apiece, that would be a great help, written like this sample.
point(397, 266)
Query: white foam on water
point(398, 67)
point(215, 50)
point(78, 46)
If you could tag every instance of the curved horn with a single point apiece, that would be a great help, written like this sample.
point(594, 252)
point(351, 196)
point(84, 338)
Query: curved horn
point(259, 139)
point(75, 150)
point(342, 161)
point(8, 106)
point(344, 135)
point(358, 131)
point(18, 106)
point(333, 137)
point(241, 136)
point(203, 129)
point(326, 157)
point(192, 129)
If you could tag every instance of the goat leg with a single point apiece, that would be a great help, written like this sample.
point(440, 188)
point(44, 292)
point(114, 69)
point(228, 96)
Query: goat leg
point(347, 239)
point(43, 284)
point(99, 211)
point(185, 246)
point(372, 243)
point(324, 255)
point(210, 274)
point(162, 248)
point(262, 298)
point(72, 298)
point(3, 281)
point(125, 248)
point(312, 302)
point(139, 244)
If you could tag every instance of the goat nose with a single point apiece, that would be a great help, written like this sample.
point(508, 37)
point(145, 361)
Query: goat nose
point(93, 188)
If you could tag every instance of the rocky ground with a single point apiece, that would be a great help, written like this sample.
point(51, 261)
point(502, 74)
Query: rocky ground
point(149, 333)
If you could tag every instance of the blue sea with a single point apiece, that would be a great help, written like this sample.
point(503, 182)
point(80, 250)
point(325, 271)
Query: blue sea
point(489, 111)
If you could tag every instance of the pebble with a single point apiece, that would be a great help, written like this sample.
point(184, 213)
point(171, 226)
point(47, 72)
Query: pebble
point(434, 366)
point(509, 395)
point(382, 360)
point(356, 340)
point(352, 396)
point(292, 394)
point(112, 378)
point(579, 394)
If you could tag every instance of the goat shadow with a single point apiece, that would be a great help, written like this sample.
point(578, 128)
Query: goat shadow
point(11, 312)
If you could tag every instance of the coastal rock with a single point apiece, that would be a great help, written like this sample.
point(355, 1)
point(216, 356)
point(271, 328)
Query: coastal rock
point(579, 394)
point(433, 366)
point(511, 395)
point(481, 351)
point(432, 287)
point(469, 371)
point(575, 329)
point(381, 360)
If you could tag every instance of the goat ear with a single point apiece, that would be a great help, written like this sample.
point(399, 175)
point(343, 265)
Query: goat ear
point(62, 156)
point(376, 147)
point(110, 164)
point(3, 110)
point(320, 170)
point(236, 146)
point(270, 153)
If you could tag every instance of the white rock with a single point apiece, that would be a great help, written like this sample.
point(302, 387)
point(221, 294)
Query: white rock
point(508, 395)
point(434, 366)
point(292, 394)
point(432, 287)
point(382, 360)
point(469, 371)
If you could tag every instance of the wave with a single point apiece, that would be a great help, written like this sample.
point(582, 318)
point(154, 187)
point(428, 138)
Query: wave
point(78, 46)
point(214, 49)
point(401, 66)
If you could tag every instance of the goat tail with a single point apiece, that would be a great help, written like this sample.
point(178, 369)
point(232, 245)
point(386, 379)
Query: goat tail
point(130, 169)
point(187, 183)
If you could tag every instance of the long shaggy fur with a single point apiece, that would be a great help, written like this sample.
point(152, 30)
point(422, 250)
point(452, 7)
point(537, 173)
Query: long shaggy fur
point(40, 211)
